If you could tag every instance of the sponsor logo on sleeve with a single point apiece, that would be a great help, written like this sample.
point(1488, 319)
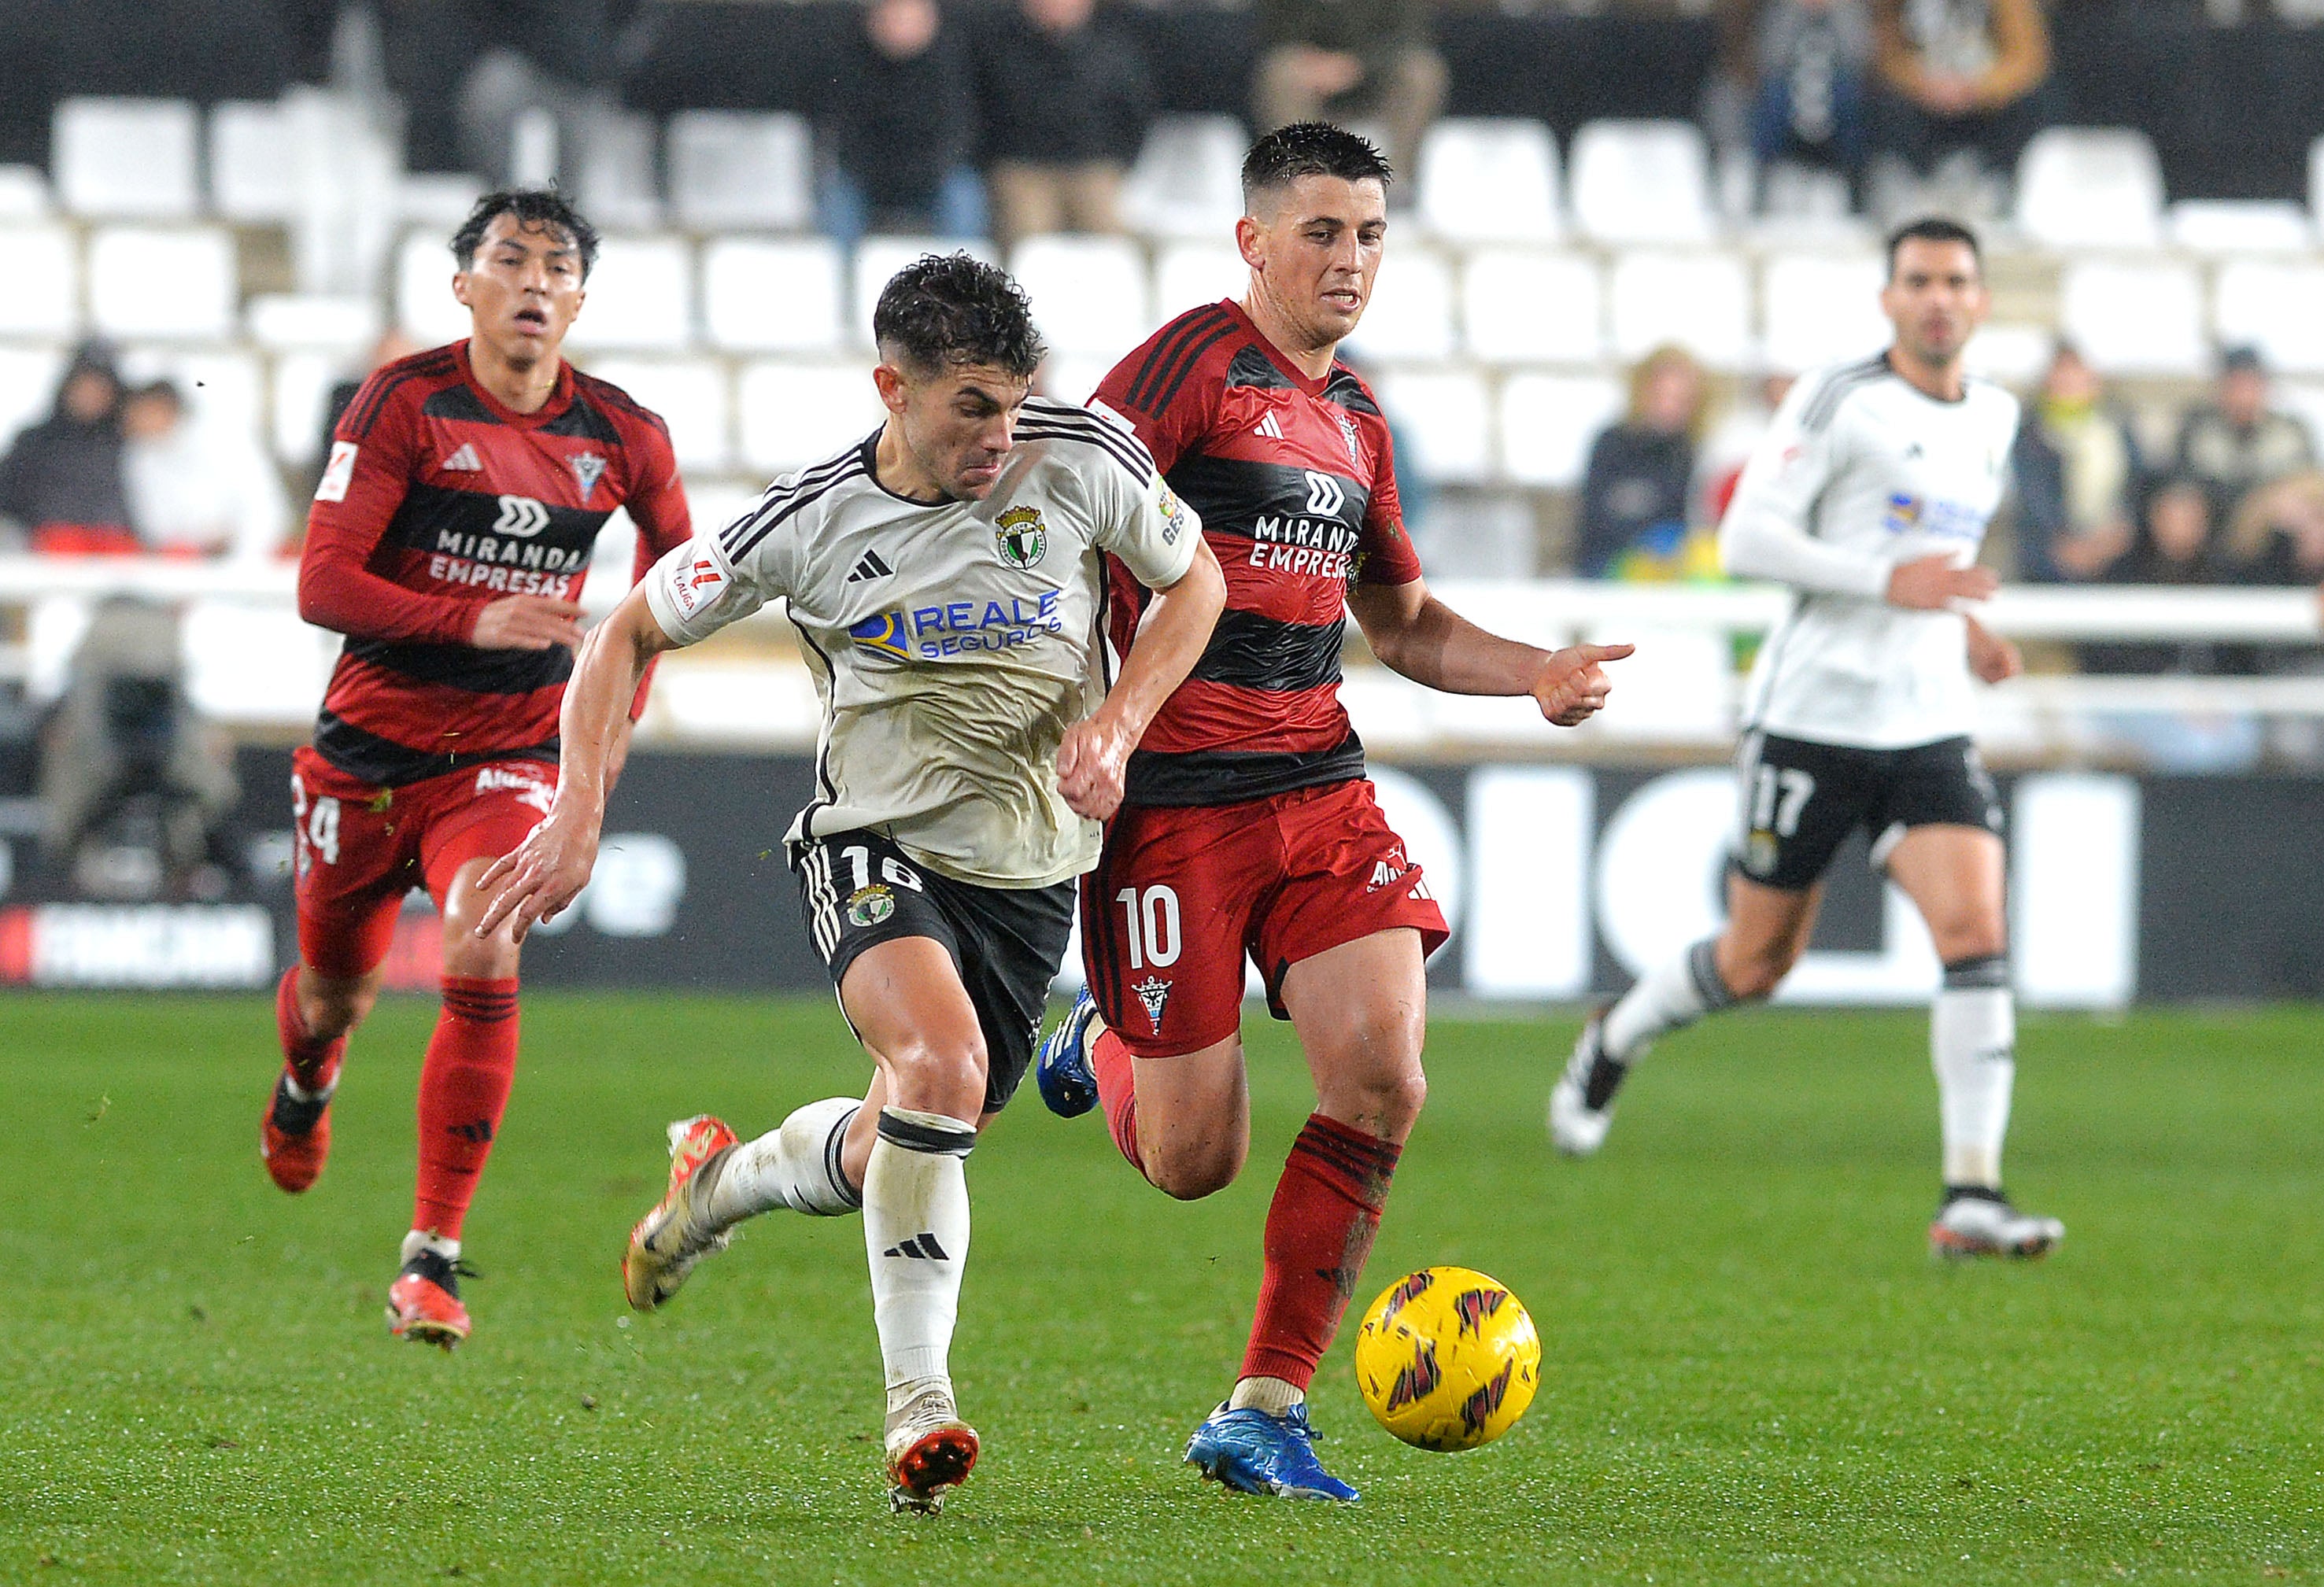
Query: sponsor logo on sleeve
point(1173, 515)
point(338, 473)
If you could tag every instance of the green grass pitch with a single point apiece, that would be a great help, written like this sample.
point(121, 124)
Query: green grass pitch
point(1753, 1372)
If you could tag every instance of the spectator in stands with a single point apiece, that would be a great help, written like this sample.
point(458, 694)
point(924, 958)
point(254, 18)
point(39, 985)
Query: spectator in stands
point(2236, 443)
point(2078, 473)
point(193, 494)
point(1359, 60)
point(1065, 100)
point(899, 130)
point(1811, 60)
point(1960, 80)
point(1635, 494)
point(2277, 537)
point(62, 481)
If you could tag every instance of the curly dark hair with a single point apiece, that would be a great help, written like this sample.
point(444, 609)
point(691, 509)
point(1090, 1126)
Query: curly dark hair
point(1311, 148)
point(948, 311)
point(533, 206)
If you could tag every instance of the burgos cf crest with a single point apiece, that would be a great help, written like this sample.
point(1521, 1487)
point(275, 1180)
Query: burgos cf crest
point(1023, 537)
point(871, 906)
point(884, 633)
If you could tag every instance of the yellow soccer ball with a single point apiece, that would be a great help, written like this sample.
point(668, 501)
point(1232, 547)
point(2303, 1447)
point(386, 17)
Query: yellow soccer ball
point(1447, 1359)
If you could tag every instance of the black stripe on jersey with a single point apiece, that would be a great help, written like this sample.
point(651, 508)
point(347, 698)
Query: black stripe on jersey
point(1151, 372)
point(781, 490)
point(1254, 369)
point(1124, 449)
point(440, 518)
point(826, 791)
point(366, 411)
point(1170, 395)
point(611, 396)
point(1232, 776)
point(1342, 387)
point(740, 536)
point(384, 763)
point(464, 666)
point(1826, 402)
point(1250, 651)
point(582, 420)
point(457, 402)
point(1234, 494)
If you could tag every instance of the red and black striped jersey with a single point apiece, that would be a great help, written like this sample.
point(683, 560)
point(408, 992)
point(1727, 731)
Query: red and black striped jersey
point(1295, 482)
point(439, 501)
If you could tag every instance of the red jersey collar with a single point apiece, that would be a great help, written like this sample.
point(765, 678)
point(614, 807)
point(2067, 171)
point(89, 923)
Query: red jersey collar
point(560, 395)
point(1274, 354)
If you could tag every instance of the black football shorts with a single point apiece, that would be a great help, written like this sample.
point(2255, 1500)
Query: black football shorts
point(1798, 801)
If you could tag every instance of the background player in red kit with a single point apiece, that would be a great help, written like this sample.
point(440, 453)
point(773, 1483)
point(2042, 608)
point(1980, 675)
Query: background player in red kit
point(449, 540)
point(1250, 826)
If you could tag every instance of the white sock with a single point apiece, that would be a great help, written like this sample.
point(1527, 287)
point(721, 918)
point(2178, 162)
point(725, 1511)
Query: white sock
point(1275, 1396)
point(1972, 1045)
point(1671, 996)
point(420, 1240)
point(916, 1233)
point(794, 1165)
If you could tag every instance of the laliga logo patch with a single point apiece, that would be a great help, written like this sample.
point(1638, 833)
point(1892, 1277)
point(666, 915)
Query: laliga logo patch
point(695, 584)
point(1155, 993)
point(1022, 538)
point(884, 633)
point(869, 906)
point(588, 467)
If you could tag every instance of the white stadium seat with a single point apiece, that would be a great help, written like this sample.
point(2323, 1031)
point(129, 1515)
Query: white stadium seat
point(1090, 294)
point(303, 382)
point(28, 387)
point(1188, 273)
point(1700, 301)
point(1548, 422)
point(641, 296)
point(2305, 403)
point(40, 281)
point(23, 193)
point(739, 169)
point(424, 305)
point(251, 663)
point(1533, 306)
point(2012, 353)
point(2090, 188)
point(768, 295)
point(299, 319)
point(2274, 307)
point(1490, 180)
point(2222, 226)
point(1446, 418)
point(253, 175)
point(1821, 309)
point(127, 159)
point(691, 396)
point(1641, 181)
point(878, 258)
point(2134, 317)
point(156, 282)
point(1410, 315)
point(1187, 180)
point(794, 414)
point(2315, 182)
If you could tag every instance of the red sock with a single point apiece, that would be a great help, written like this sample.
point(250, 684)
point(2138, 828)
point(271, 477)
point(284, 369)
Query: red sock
point(1319, 1231)
point(1116, 1092)
point(463, 1087)
point(315, 1064)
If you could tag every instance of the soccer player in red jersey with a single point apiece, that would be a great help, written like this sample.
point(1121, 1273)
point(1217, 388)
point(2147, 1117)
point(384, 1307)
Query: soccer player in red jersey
point(448, 541)
point(1250, 826)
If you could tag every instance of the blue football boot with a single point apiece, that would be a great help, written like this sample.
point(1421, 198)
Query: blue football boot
point(1061, 1069)
point(1251, 1452)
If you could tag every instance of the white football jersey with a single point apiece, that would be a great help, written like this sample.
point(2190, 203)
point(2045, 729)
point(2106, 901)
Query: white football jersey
point(1860, 472)
point(952, 644)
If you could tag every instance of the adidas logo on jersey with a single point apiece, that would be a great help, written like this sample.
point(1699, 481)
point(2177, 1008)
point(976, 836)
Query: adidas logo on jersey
point(465, 460)
point(1269, 427)
point(870, 567)
point(922, 1247)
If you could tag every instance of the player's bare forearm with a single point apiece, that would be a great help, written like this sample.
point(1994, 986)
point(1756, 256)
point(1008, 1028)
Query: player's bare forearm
point(1093, 758)
point(1419, 636)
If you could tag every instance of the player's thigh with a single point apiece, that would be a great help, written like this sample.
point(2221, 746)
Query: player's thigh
point(1165, 920)
point(352, 861)
point(1768, 929)
point(1940, 829)
point(1010, 943)
point(469, 820)
point(1345, 879)
point(1193, 1119)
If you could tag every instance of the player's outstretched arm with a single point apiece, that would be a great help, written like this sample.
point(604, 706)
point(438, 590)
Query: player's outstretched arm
point(1419, 636)
point(1094, 757)
point(548, 870)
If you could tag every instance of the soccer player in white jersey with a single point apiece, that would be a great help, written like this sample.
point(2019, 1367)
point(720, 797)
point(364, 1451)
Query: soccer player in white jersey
point(1869, 497)
point(945, 578)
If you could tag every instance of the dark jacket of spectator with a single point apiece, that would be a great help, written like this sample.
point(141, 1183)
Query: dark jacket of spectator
point(1633, 498)
point(2175, 544)
point(2079, 475)
point(1375, 30)
point(2231, 458)
point(1811, 59)
point(898, 125)
point(1061, 96)
point(66, 470)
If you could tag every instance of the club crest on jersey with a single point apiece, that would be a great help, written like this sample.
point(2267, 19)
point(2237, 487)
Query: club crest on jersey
point(588, 467)
point(884, 633)
point(1348, 438)
point(1155, 993)
point(1023, 538)
point(869, 906)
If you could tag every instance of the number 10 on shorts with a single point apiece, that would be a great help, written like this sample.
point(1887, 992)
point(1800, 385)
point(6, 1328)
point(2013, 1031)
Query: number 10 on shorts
point(1153, 916)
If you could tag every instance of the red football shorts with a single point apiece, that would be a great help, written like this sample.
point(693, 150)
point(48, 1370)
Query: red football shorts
point(1182, 893)
point(361, 848)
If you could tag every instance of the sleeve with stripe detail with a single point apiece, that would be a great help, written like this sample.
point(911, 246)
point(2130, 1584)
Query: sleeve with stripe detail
point(657, 505)
point(1158, 390)
point(1387, 553)
point(1767, 532)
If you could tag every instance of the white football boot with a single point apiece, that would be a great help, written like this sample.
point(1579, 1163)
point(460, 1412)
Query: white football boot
point(930, 1452)
point(1575, 1128)
point(1986, 1225)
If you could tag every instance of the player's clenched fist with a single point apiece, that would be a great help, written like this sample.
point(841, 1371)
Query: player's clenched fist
point(536, 880)
point(527, 622)
point(1572, 686)
point(1093, 760)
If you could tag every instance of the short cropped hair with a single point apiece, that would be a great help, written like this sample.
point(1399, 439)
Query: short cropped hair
point(949, 311)
point(533, 206)
point(1932, 229)
point(1310, 148)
